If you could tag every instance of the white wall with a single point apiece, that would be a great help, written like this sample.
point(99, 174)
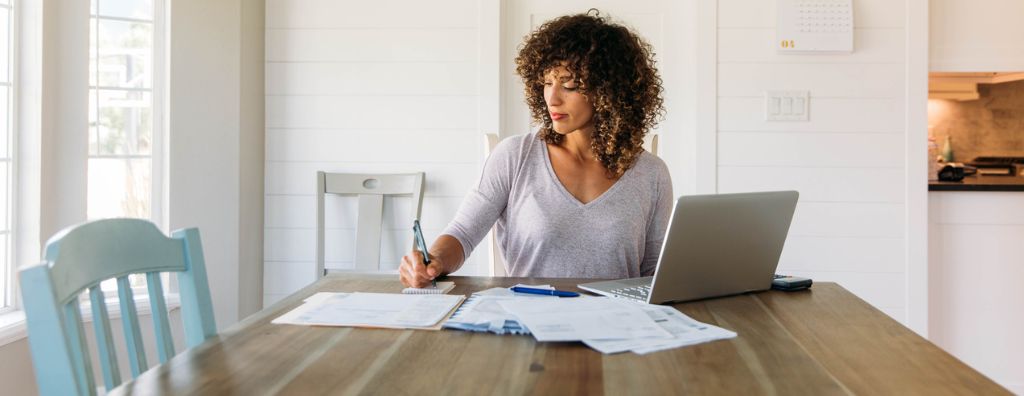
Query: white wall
point(375, 87)
point(251, 159)
point(65, 89)
point(203, 120)
point(847, 161)
point(16, 372)
point(215, 127)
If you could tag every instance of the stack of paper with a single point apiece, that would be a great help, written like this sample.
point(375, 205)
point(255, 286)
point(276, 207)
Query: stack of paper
point(577, 319)
point(482, 313)
point(612, 325)
point(402, 311)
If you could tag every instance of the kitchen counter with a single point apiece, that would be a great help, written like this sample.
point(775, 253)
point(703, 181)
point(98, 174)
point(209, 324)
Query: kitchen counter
point(980, 183)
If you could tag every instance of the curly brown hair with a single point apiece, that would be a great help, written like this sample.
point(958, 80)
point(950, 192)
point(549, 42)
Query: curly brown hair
point(615, 71)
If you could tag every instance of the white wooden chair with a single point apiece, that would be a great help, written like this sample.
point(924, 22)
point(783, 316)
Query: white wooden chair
point(651, 143)
point(495, 257)
point(371, 189)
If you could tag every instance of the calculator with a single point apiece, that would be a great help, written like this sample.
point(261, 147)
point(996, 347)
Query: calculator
point(790, 283)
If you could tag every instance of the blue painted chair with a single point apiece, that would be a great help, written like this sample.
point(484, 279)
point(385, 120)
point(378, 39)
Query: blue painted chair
point(78, 259)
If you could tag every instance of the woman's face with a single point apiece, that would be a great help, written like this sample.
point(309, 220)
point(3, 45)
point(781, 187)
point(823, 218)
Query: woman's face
point(569, 109)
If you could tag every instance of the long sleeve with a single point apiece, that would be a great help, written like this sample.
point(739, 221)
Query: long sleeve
point(659, 223)
point(484, 204)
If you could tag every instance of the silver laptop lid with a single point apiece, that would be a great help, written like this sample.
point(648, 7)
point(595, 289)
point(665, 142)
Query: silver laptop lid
point(722, 244)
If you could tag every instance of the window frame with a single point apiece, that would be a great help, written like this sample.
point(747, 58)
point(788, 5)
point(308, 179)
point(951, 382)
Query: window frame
point(26, 202)
point(10, 301)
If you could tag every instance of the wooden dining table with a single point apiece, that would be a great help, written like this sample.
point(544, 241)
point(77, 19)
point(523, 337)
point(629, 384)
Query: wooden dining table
point(819, 341)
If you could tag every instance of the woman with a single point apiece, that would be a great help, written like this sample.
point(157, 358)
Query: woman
point(580, 197)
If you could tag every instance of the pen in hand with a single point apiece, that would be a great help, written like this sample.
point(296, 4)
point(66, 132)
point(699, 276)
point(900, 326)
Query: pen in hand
point(421, 245)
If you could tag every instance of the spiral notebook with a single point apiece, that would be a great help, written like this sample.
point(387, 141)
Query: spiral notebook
point(481, 313)
point(441, 288)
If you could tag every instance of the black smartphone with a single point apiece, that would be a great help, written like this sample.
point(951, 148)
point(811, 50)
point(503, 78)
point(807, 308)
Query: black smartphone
point(790, 283)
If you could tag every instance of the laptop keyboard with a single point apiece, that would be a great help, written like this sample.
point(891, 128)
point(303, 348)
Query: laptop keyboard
point(638, 293)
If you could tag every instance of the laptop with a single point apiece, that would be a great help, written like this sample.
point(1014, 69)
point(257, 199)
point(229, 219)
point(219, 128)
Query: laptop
point(715, 245)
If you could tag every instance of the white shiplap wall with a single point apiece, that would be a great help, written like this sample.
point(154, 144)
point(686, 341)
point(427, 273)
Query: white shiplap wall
point(375, 87)
point(847, 161)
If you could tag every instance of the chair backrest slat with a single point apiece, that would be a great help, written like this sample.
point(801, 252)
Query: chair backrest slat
point(130, 323)
point(194, 289)
point(104, 338)
point(321, 224)
point(371, 189)
point(368, 231)
point(79, 350)
point(161, 323)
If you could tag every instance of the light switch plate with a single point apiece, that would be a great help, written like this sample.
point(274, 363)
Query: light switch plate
point(786, 105)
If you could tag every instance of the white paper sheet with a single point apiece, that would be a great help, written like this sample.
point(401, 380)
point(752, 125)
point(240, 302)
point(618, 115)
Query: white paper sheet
point(685, 331)
point(507, 291)
point(372, 310)
point(485, 310)
point(713, 333)
point(320, 296)
point(577, 319)
point(548, 287)
point(439, 288)
point(496, 291)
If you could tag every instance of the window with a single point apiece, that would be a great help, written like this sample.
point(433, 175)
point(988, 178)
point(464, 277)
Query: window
point(6, 153)
point(124, 129)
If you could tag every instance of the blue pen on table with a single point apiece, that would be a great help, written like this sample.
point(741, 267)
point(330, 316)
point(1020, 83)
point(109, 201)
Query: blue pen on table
point(546, 292)
point(421, 245)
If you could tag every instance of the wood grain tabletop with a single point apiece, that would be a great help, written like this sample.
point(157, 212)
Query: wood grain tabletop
point(820, 341)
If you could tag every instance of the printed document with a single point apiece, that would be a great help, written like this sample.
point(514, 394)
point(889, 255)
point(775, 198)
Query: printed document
point(685, 331)
point(373, 310)
point(481, 312)
point(577, 319)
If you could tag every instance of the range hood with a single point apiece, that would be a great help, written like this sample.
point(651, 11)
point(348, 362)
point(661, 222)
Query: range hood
point(964, 86)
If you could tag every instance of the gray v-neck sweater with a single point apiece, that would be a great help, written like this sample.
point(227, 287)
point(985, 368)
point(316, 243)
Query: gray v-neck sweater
point(543, 231)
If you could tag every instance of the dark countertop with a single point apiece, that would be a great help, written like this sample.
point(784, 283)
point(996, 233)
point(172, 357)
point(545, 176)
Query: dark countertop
point(980, 183)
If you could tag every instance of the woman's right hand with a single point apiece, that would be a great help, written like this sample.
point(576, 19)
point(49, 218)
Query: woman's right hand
point(413, 273)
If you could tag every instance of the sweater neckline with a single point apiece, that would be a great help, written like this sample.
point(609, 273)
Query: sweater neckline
point(565, 191)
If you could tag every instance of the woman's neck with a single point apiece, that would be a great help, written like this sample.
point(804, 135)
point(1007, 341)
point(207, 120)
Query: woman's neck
point(578, 142)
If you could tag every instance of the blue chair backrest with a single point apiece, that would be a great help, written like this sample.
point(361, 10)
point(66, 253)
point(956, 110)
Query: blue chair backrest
point(78, 259)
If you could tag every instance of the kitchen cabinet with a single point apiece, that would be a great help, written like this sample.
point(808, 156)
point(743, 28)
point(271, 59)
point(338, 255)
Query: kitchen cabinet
point(964, 85)
point(976, 35)
point(975, 271)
